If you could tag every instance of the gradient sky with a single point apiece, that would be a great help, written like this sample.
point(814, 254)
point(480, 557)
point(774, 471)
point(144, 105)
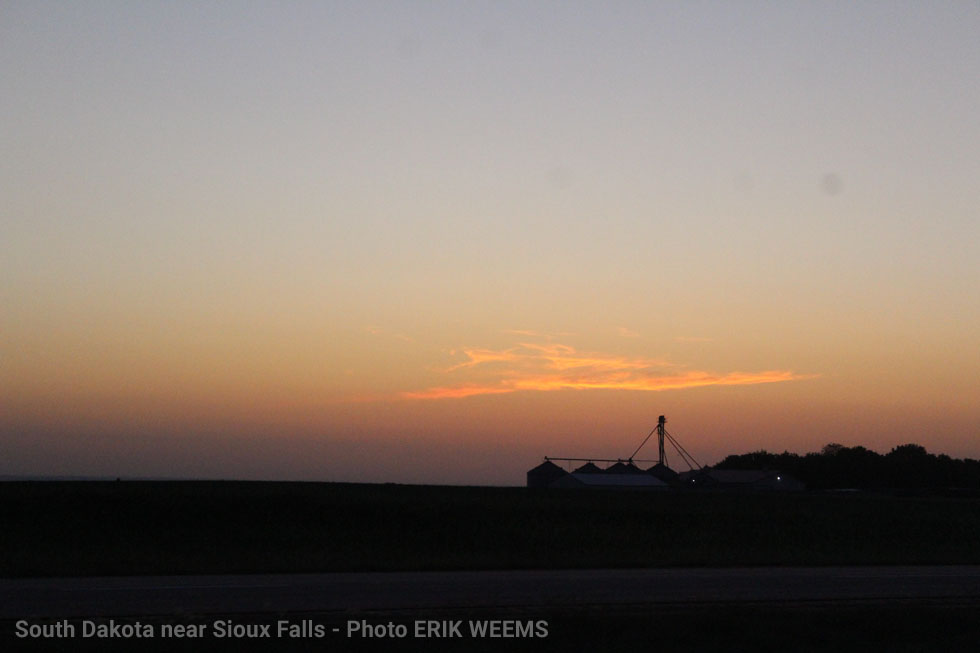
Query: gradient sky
point(437, 241)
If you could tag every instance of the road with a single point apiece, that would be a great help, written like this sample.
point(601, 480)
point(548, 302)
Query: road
point(284, 593)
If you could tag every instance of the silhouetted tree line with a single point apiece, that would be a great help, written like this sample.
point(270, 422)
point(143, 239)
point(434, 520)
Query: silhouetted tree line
point(837, 467)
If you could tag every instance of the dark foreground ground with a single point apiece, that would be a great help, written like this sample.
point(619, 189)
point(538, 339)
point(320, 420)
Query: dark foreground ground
point(77, 529)
point(145, 528)
point(502, 590)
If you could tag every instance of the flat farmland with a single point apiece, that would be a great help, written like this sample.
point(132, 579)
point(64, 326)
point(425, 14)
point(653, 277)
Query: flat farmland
point(80, 528)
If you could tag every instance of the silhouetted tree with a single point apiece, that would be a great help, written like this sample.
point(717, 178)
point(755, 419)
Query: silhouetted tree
point(832, 449)
point(836, 466)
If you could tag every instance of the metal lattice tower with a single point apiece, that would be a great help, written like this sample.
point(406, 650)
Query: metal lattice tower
point(661, 429)
point(662, 437)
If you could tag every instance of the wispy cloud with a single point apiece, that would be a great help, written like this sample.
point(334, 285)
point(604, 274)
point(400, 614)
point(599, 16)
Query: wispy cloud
point(626, 333)
point(537, 367)
point(476, 357)
point(457, 392)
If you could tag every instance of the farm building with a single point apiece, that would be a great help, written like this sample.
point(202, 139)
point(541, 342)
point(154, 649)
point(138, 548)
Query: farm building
point(743, 480)
point(610, 481)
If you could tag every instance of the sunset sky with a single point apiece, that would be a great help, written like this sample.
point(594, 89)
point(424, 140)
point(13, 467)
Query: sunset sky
point(433, 242)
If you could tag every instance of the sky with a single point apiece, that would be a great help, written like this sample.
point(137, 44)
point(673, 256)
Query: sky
point(434, 242)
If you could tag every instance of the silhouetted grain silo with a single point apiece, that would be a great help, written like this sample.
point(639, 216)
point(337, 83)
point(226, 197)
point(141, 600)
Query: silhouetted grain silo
point(588, 468)
point(544, 474)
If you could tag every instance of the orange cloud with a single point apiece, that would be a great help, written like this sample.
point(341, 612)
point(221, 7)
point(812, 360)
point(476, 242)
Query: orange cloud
point(530, 367)
point(457, 392)
point(563, 357)
point(481, 356)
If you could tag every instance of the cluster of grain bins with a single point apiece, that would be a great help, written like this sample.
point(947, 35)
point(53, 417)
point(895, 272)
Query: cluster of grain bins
point(625, 475)
point(622, 475)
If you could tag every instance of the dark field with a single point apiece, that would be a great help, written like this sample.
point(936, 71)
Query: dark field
point(110, 528)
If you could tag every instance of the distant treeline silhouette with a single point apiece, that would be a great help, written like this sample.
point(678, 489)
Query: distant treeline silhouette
point(838, 467)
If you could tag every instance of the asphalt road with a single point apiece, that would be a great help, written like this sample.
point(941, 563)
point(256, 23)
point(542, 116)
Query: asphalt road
point(284, 593)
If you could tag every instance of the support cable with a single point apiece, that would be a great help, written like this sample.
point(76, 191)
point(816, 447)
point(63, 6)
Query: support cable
point(643, 443)
point(682, 450)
